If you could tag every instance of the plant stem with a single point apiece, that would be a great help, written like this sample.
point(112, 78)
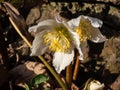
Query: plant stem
point(62, 84)
point(57, 77)
point(76, 67)
point(69, 76)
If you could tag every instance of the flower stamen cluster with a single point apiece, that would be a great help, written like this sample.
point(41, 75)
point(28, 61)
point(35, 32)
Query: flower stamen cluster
point(84, 30)
point(58, 40)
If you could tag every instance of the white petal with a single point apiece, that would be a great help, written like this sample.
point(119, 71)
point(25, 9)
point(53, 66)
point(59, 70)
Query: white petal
point(33, 28)
point(75, 41)
point(74, 22)
point(97, 36)
point(95, 85)
point(77, 45)
point(46, 24)
point(61, 60)
point(38, 47)
point(83, 45)
point(94, 21)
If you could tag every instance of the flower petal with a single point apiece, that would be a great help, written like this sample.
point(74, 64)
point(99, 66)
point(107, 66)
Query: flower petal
point(38, 47)
point(97, 36)
point(94, 21)
point(77, 45)
point(74, 22)
point(46, 24)
point(95, 85)
point(33, 28)
point(83, 45)
point(75, 41)
point(61, 60)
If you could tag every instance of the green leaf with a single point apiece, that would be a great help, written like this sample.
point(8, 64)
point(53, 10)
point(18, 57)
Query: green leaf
point(26, 87)
point(39, 79)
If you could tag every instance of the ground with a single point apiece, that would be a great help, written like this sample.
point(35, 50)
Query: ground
point(102, 61)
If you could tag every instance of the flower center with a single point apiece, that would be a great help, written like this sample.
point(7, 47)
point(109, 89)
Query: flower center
point(84, 30)
point(58, 39)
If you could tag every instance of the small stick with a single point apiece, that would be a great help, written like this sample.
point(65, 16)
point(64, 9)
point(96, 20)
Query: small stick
point(69, 76)
point(76, 67)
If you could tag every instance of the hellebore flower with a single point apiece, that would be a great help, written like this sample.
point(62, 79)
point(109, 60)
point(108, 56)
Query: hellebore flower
point(87, 28)
point(93, 84)
point(62, 38)
point(55, 37)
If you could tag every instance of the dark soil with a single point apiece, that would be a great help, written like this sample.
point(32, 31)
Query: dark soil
point(102, 61)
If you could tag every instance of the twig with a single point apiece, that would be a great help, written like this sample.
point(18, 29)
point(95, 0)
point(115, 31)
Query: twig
point(69, 76)
point(76, 67)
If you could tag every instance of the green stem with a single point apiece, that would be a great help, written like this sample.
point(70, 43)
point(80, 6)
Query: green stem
point(62, 84)
point(69, 76)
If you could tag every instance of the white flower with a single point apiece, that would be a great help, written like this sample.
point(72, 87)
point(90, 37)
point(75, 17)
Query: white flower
point(87, 28)
point(62, 38)
point(95, 85)
point(55, 37)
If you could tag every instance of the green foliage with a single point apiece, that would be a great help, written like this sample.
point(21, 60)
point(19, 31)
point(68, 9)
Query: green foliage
point(36, 81)
point(39, 79)
point(26, 87)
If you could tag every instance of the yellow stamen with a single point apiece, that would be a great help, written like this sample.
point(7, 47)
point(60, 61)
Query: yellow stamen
point(58, 39)
point(84, 30)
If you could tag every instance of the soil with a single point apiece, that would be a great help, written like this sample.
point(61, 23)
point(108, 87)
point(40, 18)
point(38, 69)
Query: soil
point(102, 60)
